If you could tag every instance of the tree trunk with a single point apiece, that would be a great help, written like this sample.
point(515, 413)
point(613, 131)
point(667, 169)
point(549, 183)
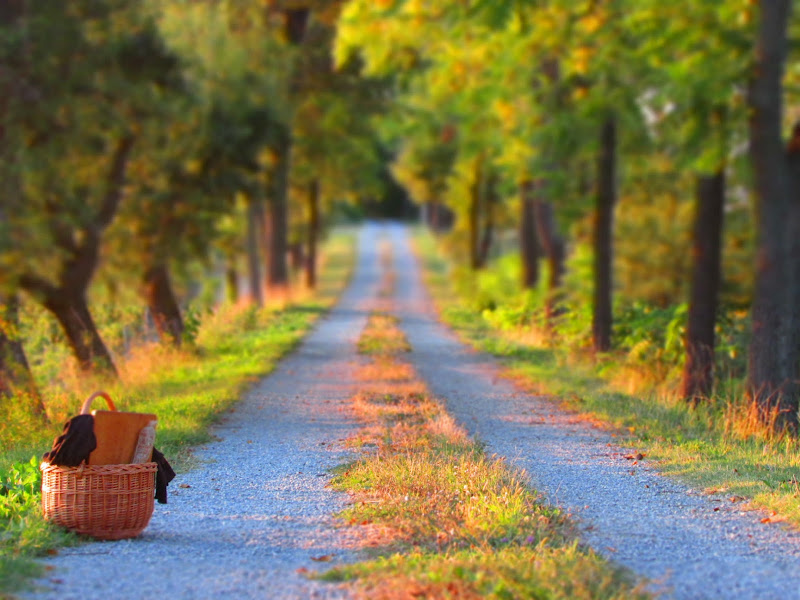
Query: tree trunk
point(528, 240)
point(231, 280)
point(770, 377)
point(278, 215)
point(602, 316)
point(72, 313)
point(793, 252)
point(553, 245)
point(313, 234)
point(162, 304)
point(475, 216)
point(255, 225)
point(67, 299)
point(490, 195)
point(698, 370)
point(15, 373)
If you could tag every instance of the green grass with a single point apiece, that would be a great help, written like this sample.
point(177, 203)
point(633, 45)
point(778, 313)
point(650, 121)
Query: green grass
point(446, 520)
point(188, 390)
point(717, 447)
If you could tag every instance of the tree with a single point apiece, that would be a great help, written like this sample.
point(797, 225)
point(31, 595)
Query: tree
point(66, 297)
point(603, 231)
point(772, 370)
point(698, 374)
point(529, 241)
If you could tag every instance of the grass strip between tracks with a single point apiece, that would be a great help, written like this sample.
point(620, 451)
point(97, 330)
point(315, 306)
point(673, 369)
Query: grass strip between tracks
point(441, 519)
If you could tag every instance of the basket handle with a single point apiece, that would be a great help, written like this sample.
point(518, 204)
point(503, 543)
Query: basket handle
point(87, 405)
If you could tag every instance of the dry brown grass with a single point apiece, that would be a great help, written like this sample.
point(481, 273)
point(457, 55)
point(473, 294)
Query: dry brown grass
point(385, 369)
point(382, 336)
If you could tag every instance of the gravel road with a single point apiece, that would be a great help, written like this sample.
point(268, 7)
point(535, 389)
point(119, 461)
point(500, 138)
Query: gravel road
point(692, 545)
point(257, 508)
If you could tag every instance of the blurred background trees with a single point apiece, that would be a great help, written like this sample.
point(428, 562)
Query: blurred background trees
point(621, 132)
point(614, 175)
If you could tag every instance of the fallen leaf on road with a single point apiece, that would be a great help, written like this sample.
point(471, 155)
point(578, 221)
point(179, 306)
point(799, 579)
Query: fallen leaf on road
point(637, 457)
point(323, 558)
point(773, 518)
point(184, 485)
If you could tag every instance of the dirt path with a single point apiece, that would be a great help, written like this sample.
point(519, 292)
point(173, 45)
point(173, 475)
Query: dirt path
point(694, 545)
point(257, 509)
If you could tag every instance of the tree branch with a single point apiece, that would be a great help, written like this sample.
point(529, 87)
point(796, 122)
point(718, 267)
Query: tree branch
point(38, 287)
point(115, 182)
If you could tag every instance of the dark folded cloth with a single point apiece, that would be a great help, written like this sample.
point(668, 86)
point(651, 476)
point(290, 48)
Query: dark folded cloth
point(164, 475)
point(74, 444)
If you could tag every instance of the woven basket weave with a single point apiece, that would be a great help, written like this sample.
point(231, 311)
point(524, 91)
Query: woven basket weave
point(108, 502)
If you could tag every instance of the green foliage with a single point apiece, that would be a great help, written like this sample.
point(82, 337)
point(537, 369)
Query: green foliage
point(18, 489)
point(24, 535)
point(651, 334)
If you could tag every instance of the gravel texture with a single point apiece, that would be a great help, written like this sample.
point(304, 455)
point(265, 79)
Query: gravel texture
point(690, 544)
point(257, 509)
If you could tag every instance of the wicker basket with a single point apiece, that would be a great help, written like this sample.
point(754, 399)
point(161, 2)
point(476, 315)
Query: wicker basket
point(108, 502)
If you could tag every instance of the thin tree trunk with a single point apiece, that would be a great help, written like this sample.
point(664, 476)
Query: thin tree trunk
point(553, 245)
point(231, 280)
point(490, 194)
point(528, 240)
point(278, 215)
point(475, 216)
point(15, 372)
point(313, 234)
point(602, 316)
point(255, 225)
point(770, 377)
point(793, 252)
point(161, 302)
point(698, 370)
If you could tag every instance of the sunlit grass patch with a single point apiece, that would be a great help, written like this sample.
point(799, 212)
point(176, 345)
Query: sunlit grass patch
point(385, 370)
point(530, 571)
point(382, 336)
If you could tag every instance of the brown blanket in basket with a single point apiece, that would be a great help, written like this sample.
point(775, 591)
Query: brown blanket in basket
point(74, 444)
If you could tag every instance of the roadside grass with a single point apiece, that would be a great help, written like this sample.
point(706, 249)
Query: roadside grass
point(188, 389)
point(718, 447)
point(442, 519)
